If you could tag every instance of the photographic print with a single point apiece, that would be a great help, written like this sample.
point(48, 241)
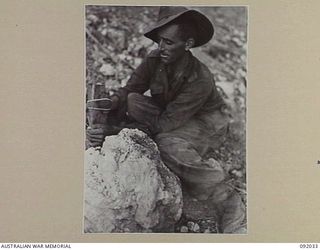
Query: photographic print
point(165, 119)
point(131, 123)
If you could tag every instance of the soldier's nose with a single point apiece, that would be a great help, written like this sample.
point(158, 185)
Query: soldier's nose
point(161, 47)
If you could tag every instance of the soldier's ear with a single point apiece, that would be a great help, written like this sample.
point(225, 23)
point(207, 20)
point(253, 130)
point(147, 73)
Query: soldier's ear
point(189, 43)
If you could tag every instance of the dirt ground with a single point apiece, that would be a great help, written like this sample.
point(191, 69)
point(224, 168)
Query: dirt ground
point(115, 46)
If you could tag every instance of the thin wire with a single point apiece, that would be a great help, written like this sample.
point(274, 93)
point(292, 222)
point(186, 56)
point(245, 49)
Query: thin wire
point(101, 99)
point(93, 108)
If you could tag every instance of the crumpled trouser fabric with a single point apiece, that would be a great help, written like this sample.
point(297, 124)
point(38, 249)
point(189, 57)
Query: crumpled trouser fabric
point(182, 150)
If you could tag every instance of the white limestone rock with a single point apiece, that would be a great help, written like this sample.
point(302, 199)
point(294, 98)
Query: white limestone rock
point(128, 188)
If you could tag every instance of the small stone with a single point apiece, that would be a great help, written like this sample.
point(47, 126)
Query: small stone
point(237, 41)
point(107, 70)
point(237, 173)
point(207, 231)
point(123, 82)
point(118, 37)
point(212, 163)
point(241, 72)
point(184, 229)
point(220, 78)
point(122, 57)
point(190, 225)
point(129, 58)
point(104, 32)
point(196, 228)
point(93, 18)
point(137, 62)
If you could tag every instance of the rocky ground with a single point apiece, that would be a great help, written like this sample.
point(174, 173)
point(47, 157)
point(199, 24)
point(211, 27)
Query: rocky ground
point(115, 46)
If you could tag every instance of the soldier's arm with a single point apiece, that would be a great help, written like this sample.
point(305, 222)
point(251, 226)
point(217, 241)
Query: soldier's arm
point(138, 83)
point(186, 104)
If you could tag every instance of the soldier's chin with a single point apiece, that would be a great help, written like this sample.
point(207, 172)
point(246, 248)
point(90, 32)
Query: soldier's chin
point(165, 60)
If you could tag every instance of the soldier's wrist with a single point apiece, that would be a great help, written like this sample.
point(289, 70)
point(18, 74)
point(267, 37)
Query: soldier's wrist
point(115, 102)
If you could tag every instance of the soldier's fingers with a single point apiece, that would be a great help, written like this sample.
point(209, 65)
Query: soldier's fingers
point(95, 138)
point(96, 135)
point(95, 131)
point(96, 126)
point(95, 144)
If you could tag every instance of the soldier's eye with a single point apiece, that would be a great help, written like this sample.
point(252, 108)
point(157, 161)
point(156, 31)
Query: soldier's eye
point(168, 42)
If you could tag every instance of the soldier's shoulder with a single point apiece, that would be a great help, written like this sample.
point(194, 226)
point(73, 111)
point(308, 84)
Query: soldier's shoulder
point(200, 71)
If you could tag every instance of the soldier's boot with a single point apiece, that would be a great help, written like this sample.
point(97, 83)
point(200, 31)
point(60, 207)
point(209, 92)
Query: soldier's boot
point(230, 208)
point(232, 213)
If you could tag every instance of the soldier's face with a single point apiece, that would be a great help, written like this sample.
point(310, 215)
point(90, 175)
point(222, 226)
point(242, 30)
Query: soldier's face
point(171, 46)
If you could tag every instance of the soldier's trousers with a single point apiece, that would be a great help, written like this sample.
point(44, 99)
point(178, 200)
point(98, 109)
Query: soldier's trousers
point(182, 151)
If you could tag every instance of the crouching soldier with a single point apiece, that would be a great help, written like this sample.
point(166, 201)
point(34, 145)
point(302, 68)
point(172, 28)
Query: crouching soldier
point(184, 114)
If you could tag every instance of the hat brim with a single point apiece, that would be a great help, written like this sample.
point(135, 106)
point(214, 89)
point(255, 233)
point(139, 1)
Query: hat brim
point(204, 28)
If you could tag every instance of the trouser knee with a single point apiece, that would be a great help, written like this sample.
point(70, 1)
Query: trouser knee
point(167, 147)
point(133, 101)
point(133, 97)
point(142, 108)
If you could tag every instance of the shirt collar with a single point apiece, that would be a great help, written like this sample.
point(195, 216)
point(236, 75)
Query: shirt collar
point(181, 68)
point(178, 67)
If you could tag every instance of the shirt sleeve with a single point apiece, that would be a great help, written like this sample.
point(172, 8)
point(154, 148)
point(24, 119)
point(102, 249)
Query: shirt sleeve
point(138, 82)
point(184, 106)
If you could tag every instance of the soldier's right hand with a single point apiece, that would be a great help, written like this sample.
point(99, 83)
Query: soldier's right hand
point(96, 134)
point(114, 102)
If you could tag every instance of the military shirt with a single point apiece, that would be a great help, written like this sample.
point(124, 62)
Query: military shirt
point(187, 91)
